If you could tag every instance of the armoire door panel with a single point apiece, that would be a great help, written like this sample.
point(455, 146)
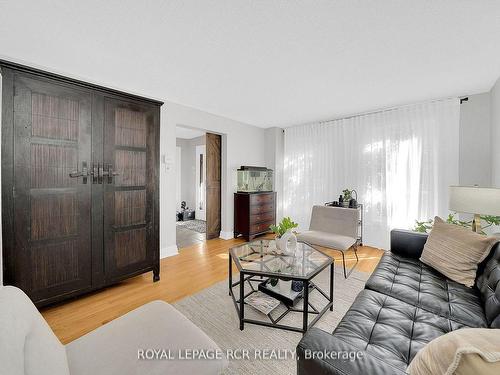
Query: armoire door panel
point(130, 207)
point(51, 165)
point(129, 147)
point(130, 127)
point(54, 216)
point(130, 247)
point(52, 209)
point(131, 167)
point(54, 117)
point(55, 264)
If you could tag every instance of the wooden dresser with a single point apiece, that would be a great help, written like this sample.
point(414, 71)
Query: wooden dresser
point(253, 213)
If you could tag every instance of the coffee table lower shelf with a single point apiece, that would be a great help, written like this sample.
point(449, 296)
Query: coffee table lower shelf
point(274, 321)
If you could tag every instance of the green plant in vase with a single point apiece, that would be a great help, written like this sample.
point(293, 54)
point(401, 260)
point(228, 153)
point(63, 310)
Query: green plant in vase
point(284, 226)
point(285, 235)
point(347, 195)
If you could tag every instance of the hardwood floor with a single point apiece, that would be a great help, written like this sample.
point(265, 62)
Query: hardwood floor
point(185, 237)
point(195, 268)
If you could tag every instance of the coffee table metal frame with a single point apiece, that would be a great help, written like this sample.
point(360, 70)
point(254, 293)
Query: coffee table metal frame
point(250, 276)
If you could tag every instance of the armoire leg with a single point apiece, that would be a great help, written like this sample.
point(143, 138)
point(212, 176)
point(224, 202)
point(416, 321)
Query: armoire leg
point(156, 274)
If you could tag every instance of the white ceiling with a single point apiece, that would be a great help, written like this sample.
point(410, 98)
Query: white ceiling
point(187, 133)
point(264, 62)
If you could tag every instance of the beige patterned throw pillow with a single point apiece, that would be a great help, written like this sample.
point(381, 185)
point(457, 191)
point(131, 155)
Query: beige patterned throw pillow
point(456, 251)
point(467, 351)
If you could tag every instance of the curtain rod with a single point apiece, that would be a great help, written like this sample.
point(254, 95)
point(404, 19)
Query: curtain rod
point(388, 109)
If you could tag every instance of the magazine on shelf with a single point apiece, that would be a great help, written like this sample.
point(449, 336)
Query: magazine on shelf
point(262, 302)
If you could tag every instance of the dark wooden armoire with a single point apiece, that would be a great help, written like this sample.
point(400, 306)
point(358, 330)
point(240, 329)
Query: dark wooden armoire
point(79, 184)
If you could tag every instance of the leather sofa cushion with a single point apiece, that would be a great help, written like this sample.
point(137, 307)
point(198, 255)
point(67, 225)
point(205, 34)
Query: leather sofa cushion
point(413, 282)
point(488, 282)
point(319, 341)
point(389, 329)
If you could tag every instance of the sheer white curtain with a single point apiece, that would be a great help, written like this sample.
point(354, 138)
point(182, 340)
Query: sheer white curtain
point(400, 162)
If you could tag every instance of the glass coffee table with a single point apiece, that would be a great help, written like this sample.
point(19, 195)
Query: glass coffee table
point(259, 261)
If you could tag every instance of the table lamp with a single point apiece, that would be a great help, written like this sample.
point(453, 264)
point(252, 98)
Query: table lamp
point(475, 200)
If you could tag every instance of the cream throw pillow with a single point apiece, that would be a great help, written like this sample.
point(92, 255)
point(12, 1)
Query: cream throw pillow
point(456, 251)
point(467, 351)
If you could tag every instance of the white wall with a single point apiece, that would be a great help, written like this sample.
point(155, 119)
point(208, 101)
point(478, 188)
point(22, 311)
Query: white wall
point(188, 171)
point(475, 146)
point(495, 134)
point(242, 144)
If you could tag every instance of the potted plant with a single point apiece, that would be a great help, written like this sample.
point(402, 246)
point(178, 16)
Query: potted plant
point(347, 197)
point(284, 234)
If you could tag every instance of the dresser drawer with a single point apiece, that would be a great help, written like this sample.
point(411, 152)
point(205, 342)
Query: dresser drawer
point(261, 227)
point(261, 198)
point(259, 218)
point(260, 209)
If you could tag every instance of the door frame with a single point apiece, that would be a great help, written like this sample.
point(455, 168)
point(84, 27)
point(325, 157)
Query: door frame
point(201, 213)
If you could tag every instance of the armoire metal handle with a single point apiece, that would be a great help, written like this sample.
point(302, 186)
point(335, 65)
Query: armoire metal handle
point(83, 173)
point(98, 172)
point(110, 173)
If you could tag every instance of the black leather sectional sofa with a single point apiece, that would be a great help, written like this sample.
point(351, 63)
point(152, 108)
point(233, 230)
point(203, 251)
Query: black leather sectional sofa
point(405, 305)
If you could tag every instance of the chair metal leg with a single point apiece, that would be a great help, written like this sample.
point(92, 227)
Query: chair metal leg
point(346, 275)
point(343, 264)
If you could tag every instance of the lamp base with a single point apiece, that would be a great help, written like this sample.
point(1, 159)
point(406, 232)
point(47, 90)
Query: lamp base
point(476, 223)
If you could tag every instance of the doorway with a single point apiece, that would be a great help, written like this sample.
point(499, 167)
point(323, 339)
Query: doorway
point(198, 195)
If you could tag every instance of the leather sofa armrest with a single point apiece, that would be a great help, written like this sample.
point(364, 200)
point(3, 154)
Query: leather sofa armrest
point(319, 344)
point(407, 243)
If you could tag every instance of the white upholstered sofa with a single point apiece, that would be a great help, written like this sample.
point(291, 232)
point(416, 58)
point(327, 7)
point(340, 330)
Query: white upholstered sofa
point(29, 347)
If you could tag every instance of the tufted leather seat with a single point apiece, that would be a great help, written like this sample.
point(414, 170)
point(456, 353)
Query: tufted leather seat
point(411, 281)
point(404, 306)
point(488, 283)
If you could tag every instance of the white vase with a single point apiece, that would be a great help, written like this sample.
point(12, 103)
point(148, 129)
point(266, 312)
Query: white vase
point(285, 286)
point(287, 243)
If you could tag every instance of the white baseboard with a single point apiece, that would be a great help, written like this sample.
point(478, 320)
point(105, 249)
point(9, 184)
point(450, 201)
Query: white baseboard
point(226, 235)
point(168, 251)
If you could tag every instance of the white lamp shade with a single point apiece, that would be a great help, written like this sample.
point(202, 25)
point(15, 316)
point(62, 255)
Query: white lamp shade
point(475, 200)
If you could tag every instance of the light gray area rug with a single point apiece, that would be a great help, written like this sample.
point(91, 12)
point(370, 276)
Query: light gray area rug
point(213, 311)
point(199, 226)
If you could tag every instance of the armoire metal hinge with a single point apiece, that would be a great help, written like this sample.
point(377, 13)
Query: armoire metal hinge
point(13, 192)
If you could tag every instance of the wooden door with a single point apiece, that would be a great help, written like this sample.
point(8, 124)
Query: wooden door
point(52, 210)
point(213, 178)
point(130, 188)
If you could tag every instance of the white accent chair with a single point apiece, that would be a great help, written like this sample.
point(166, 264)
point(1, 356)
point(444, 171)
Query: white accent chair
point(335, 228)
point(29, 347)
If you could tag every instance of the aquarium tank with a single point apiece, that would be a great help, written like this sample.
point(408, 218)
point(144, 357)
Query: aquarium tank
point(254, 179)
